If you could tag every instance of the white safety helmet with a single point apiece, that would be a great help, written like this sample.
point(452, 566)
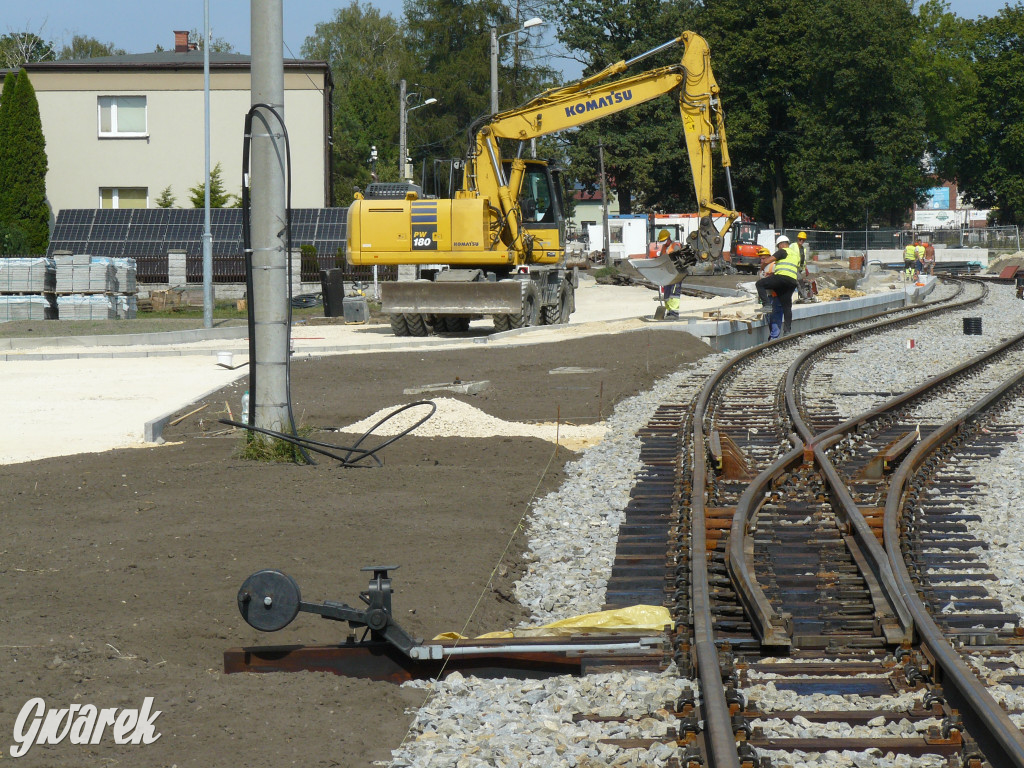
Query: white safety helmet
point(781, 239)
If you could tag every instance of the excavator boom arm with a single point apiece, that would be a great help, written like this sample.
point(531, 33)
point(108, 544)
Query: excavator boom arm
point(595, 97)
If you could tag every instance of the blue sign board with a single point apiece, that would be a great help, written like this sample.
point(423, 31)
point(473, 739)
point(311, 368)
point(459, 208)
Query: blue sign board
point(938, 199)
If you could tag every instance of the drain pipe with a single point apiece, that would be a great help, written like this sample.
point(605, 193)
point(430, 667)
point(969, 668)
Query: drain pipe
point(268, 225)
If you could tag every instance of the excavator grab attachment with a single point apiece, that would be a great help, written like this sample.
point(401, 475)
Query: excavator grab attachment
point(702, 254)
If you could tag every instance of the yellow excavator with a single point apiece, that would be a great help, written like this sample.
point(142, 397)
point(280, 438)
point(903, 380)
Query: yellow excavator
point(497, 248)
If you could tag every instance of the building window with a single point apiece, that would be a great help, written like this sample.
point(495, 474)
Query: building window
point(124, 197)
point(122, 115)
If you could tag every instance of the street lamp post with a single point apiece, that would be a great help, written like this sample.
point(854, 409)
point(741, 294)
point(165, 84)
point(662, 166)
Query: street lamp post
point(495, 37)
point(404, 109)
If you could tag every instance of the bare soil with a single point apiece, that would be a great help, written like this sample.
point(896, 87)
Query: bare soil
point(119, 571)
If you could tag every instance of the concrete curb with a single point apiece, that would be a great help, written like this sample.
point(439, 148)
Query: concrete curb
point(153, 430)
point(129, 339)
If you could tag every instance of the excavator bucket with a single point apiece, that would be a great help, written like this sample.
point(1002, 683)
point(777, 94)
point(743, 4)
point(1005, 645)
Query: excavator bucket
point(452, 298)
point(667, 269)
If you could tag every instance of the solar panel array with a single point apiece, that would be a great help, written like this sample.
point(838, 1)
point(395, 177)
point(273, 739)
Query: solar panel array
point(141, 232)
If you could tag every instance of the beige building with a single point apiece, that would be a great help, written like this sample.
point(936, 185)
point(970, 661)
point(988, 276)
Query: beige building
point(121, 129)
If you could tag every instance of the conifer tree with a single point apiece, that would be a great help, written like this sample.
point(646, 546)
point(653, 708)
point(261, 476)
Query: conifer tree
point(23, 164)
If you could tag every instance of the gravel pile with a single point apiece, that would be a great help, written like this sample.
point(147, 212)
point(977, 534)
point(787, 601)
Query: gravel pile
point(454, 417)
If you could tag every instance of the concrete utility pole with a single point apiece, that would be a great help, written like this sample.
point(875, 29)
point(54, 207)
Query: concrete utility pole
point(267, 222)
point(494, 70)
point(207, 234)
point(604, 207)
point(401, 131)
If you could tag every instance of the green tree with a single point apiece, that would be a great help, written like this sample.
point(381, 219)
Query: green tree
point(645, 157)
point(823, 109)
point(85, 47)
point(23, 164)
point(944, 50)
point(984, 148)
point(167, 200)
point(217, 44)
point(449, 59)
point(20, 48)
point(449, 54)
point(219, 196)
point(365, 50)
point(12, 241)
point(6, 104)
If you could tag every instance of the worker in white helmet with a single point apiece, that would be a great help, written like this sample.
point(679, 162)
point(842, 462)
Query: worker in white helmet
point(774, 318)
point(783, 281)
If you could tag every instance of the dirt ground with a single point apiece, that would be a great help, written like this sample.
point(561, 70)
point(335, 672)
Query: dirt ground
point(120, 570)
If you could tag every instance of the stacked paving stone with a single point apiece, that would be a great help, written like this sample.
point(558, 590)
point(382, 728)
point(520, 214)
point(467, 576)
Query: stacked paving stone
point(26, 289)
point(95, 288)
point(80, 274)
point(27, 275)
point(77, 306)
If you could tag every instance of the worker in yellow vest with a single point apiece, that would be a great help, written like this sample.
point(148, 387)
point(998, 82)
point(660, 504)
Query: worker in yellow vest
point(919, 254)
point(799, 249)
point(909, 257)
point(774, 317)
point(670, 294)
point(783, 281)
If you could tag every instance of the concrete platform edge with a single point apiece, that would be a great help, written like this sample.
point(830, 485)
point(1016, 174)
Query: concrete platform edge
point(153, 430)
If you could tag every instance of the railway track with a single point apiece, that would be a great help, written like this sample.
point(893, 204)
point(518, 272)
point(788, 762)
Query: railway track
point(779, 562)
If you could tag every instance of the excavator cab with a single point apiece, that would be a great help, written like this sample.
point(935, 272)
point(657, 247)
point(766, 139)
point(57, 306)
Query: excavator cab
point(540, 200)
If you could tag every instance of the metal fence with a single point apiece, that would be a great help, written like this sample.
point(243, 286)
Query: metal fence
point(1006, 239)
point(231, 269)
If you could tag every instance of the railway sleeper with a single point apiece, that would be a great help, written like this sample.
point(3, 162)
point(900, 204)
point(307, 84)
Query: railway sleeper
point(912, 747)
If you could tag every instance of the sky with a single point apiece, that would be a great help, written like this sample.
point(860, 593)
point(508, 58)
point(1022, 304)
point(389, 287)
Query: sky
point(138, 26)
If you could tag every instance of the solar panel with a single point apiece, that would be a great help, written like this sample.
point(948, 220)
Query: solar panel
point(112, 216)
point(153, 232)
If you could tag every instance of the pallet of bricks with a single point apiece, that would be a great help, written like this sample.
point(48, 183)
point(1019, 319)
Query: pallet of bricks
point(26, 288)
point(95, 287)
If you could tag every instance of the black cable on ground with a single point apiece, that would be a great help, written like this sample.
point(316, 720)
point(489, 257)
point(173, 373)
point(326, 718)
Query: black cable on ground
point(346, 461)
point(306, 301)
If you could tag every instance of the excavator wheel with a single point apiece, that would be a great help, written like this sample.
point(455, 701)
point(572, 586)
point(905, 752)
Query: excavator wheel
point(531, 307)
point(502, 322)
point(399, 326)
point(566, 302)
point(549, 315)
point(417, 325)
point(456, 324)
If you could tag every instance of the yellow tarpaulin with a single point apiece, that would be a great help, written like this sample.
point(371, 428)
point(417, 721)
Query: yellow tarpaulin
point(637, 618)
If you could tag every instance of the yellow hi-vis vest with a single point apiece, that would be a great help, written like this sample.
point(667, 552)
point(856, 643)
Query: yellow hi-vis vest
point(794, 250)
point(789, 266)
point(909, 253)
point(919, 252)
